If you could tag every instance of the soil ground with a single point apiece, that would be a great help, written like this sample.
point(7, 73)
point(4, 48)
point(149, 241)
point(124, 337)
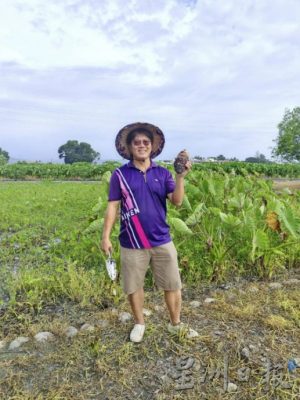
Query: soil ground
point(280, 184)
point(246, 337)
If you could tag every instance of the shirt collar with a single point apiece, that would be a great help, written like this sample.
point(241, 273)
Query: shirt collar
point(131, 165)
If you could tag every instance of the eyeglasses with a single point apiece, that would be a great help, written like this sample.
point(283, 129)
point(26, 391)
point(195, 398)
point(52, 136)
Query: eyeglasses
point(144, 142)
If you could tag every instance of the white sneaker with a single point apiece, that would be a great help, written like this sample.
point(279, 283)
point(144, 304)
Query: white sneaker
point(137, 333)
point(182, 328)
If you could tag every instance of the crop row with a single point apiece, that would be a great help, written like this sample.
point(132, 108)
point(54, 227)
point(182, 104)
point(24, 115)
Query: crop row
point(26, 171)
point(80, 170)
point(259, 169)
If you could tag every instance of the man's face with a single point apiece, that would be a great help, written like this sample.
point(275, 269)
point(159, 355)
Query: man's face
point(140, 147)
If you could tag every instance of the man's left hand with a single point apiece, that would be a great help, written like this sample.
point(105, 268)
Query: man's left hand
point(182, 156)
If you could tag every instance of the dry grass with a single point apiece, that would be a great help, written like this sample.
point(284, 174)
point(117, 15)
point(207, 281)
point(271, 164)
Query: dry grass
point(103, 364)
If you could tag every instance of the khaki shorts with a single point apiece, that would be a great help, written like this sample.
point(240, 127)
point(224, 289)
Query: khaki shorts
point(163, 262)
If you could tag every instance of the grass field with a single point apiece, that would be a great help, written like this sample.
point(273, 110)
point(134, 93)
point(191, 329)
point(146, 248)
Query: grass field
point(52, 276)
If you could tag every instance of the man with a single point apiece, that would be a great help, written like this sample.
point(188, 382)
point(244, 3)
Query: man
point(142, 187)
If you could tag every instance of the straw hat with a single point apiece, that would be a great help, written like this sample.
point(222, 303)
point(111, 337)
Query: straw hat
point(158, 139)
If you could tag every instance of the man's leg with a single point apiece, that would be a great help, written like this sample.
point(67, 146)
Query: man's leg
point(173, 301)
point(134, 264)
point(136, 301)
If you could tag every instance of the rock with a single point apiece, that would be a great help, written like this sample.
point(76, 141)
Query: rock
point(44, 337)
point(292, 282)
point(252, 348)
point(87, 327)
point(125, 317)
point(195, 304)
point(231, 387)
point(191, 333)
point(2, 344)
point(103, 323)
point(275, 285)
point(218, 333)
point(15, 344)
point(225, 286)
point(245, 353)
point(297, 361)
point(209, 300)
point(147, 312)
point(71, 331)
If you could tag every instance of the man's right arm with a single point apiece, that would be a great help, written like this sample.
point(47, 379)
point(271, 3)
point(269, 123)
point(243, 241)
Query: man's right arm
point(109, 220)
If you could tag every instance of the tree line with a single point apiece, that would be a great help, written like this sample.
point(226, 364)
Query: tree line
point(287, 145)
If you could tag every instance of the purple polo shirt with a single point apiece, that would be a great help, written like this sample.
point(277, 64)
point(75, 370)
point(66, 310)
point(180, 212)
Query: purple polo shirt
point(143, 204)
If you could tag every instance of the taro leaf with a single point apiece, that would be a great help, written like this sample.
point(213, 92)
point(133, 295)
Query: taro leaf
point(205, 186)
point(272, 221)
point(180, 226)
point(287, 191)
point(249, 221)
point(211, 187)
point(186, 203)
point(194, 218)
point(214, 210)
point(192, 191)
point(173, 212)
point(229, 219)
point(260, 241)
point(237, 201)
point(290, 221)
point(262, 209)
point(95, 226)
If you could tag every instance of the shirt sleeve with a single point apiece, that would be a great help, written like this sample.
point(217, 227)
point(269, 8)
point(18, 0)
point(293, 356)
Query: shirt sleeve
point(170, 183)
point(114, 188)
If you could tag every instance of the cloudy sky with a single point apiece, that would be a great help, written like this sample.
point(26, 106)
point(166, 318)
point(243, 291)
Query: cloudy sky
point(214, 75)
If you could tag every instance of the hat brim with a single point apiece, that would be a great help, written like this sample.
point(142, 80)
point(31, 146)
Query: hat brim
point(158, 139)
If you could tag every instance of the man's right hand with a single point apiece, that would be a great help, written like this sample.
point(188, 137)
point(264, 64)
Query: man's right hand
point(106, 246)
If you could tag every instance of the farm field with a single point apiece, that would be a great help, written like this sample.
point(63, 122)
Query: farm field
point(238, 244)
point(88, 171)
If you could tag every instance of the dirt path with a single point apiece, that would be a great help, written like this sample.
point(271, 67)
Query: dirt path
point(293, 184)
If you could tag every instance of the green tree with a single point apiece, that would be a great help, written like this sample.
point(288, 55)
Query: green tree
point(4, 157)
point(198, 158)
point(221, 157)
point(288, 140)
point(73, 151)
point(259, 158)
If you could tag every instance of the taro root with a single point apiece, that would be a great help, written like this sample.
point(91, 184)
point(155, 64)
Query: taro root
point(180, 162)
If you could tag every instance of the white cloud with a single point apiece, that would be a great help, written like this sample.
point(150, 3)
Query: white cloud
point(216, 74)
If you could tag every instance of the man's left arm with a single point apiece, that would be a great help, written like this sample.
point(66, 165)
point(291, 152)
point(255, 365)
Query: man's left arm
point(176, 197)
